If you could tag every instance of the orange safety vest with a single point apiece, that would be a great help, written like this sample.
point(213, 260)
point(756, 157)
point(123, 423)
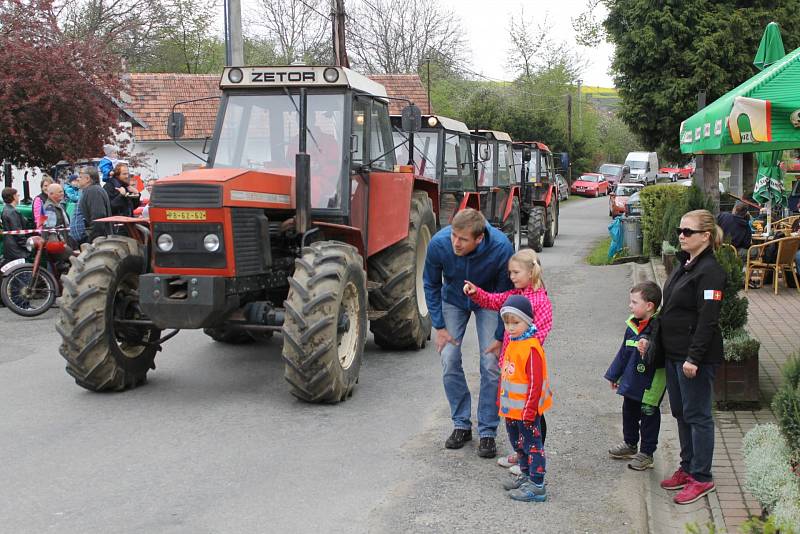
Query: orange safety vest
point(514, 381)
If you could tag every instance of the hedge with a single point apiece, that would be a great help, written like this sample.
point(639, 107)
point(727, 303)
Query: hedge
point(655, 200)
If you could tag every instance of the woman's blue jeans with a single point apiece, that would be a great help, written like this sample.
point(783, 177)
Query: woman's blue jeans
point(455, 383)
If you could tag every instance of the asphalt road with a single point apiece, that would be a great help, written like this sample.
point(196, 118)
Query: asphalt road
point(214, 442)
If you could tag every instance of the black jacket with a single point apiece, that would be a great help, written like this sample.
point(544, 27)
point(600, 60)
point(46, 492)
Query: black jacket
point(689, 318)
point(120, 204)
point(13, 245)
point(737, 228)
point(94, 204)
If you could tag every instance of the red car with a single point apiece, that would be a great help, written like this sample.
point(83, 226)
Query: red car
point(619, 197)
point(590, 184)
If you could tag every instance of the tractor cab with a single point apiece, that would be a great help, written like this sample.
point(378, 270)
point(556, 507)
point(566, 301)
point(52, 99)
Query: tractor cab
point(443, 152)
point(538, 193)
point(496, 180)
point(299, 223)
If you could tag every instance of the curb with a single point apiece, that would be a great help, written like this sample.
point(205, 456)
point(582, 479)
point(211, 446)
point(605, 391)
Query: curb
point(713, 498)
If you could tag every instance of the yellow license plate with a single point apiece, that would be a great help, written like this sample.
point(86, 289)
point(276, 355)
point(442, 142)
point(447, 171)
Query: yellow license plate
point(186, 215)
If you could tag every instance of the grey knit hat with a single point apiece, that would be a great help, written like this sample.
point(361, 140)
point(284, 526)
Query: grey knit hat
point(519, 306)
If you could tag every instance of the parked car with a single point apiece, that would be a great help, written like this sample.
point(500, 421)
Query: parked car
point(563, 187)
point(673, 173)
point(644, 167)
point(634, 205)
point(615, 173)
point(618, 198)
point(590, 184)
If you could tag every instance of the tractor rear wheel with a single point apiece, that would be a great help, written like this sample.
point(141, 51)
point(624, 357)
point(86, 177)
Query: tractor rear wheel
point(325, 326)
point(101, 289)
point(536, 228)
point(398, 269)
point(512, 225)
point(551, 227)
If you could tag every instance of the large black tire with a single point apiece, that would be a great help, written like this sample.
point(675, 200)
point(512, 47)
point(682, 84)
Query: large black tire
point(551, 228)
point(223, 334)
point(512, 225)
point(407, 324)
point(102, 286)
point(536, 228)
point(27, 295)
point(326, 322)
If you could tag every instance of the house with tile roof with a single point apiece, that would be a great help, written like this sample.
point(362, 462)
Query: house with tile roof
point(150, 98)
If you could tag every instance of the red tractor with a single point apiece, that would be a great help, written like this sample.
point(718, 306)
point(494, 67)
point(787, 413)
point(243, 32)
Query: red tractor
point(301, 223)
point(443, 152)
point(497, 183)
point(539, 193)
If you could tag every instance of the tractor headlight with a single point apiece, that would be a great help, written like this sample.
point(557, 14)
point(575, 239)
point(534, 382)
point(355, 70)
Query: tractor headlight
point(331, 75)
point(29, 244)
point(165, 243)
point(432, 121)
point(211, 242)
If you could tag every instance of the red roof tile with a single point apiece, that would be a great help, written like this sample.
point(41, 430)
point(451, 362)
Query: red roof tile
point(153, 95)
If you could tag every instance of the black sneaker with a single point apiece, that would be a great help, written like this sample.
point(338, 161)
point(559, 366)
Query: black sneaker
point(458, 438)
point(487, 448)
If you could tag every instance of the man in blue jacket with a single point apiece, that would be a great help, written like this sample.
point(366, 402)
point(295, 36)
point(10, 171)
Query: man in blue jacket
point(470, 249)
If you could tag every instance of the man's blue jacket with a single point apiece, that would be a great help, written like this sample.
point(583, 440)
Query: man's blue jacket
point(445, 273)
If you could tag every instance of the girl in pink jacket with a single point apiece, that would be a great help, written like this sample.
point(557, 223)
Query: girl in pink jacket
point(525, 272)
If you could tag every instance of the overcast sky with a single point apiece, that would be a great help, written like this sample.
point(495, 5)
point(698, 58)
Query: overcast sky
point(487, 26)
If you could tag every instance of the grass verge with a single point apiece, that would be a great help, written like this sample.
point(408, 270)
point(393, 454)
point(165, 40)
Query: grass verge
point(599, 254)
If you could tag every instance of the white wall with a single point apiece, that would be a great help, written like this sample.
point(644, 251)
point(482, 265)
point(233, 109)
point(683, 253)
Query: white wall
point(165, 158)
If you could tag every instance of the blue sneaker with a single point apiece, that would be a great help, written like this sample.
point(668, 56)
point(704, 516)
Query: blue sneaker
point(529, 492)
point(515, 482)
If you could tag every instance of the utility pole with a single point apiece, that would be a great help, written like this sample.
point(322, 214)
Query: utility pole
point(234, 42)
point(569, 134)
point(339, 49)
point(428, 61)
point(580, 107)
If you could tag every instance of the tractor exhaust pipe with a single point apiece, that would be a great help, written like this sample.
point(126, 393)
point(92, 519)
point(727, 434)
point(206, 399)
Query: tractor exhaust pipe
point(302, 166)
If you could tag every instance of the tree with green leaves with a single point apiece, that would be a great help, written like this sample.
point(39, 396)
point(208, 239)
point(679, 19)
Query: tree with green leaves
point(668, 52)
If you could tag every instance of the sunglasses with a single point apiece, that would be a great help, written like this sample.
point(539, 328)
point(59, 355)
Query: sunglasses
point(688, 232)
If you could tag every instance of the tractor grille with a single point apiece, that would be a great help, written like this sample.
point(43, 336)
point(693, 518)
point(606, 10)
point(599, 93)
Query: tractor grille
point(251, 242)
point(186, 196)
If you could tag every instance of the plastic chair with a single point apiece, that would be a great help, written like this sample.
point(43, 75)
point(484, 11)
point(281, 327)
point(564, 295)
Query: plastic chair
point(784, 260)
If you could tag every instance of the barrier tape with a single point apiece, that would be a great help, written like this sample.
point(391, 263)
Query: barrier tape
point(28, 232)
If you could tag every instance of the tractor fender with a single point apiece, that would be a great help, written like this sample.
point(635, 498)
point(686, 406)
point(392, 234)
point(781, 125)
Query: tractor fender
point(510, 201)
point(472, 199)
point(346, 234)
point(432, 189)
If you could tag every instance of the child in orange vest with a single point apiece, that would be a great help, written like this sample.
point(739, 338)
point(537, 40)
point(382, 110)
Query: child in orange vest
point(524, 396)
point(525, 272)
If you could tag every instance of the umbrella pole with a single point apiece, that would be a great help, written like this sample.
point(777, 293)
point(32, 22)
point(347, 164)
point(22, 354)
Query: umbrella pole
point(769, 216)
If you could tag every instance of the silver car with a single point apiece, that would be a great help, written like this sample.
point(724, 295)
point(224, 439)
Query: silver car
point(563, 187)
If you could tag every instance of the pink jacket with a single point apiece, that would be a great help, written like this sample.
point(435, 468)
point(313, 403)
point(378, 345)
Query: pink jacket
point(542, 309)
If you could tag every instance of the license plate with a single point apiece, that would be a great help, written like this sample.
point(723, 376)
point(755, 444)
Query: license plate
point(10, 265)
point(186, 215)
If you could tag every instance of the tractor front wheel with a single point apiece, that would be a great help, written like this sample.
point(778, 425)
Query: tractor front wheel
point(398, 270)
point(104, 346)
point(325, 326)
point(536, 228)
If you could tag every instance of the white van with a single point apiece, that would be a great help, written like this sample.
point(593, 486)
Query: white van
point(644, 167)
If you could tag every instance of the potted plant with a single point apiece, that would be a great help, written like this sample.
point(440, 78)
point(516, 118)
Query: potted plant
point(736, 383)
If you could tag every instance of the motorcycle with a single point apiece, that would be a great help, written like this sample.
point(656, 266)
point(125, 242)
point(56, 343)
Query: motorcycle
point(30, 289)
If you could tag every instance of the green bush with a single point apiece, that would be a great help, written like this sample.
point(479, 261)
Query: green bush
point(739, 346)
point(672, 219)
point(786, 406)
point(696, 199)
point(733, 314)
point(791, 370)
point(655, 200)
point(767, 461)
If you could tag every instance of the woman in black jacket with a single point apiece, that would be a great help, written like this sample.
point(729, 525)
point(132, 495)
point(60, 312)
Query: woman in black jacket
point(690, 339)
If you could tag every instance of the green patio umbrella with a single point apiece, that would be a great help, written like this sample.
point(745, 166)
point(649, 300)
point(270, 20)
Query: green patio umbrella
point(769, 182)
point(759, 115)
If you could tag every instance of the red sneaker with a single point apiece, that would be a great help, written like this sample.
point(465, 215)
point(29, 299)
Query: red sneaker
point(678, 480)
point(693, 491)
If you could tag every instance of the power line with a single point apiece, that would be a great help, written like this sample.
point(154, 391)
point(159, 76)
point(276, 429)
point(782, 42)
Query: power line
point(315, 10)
